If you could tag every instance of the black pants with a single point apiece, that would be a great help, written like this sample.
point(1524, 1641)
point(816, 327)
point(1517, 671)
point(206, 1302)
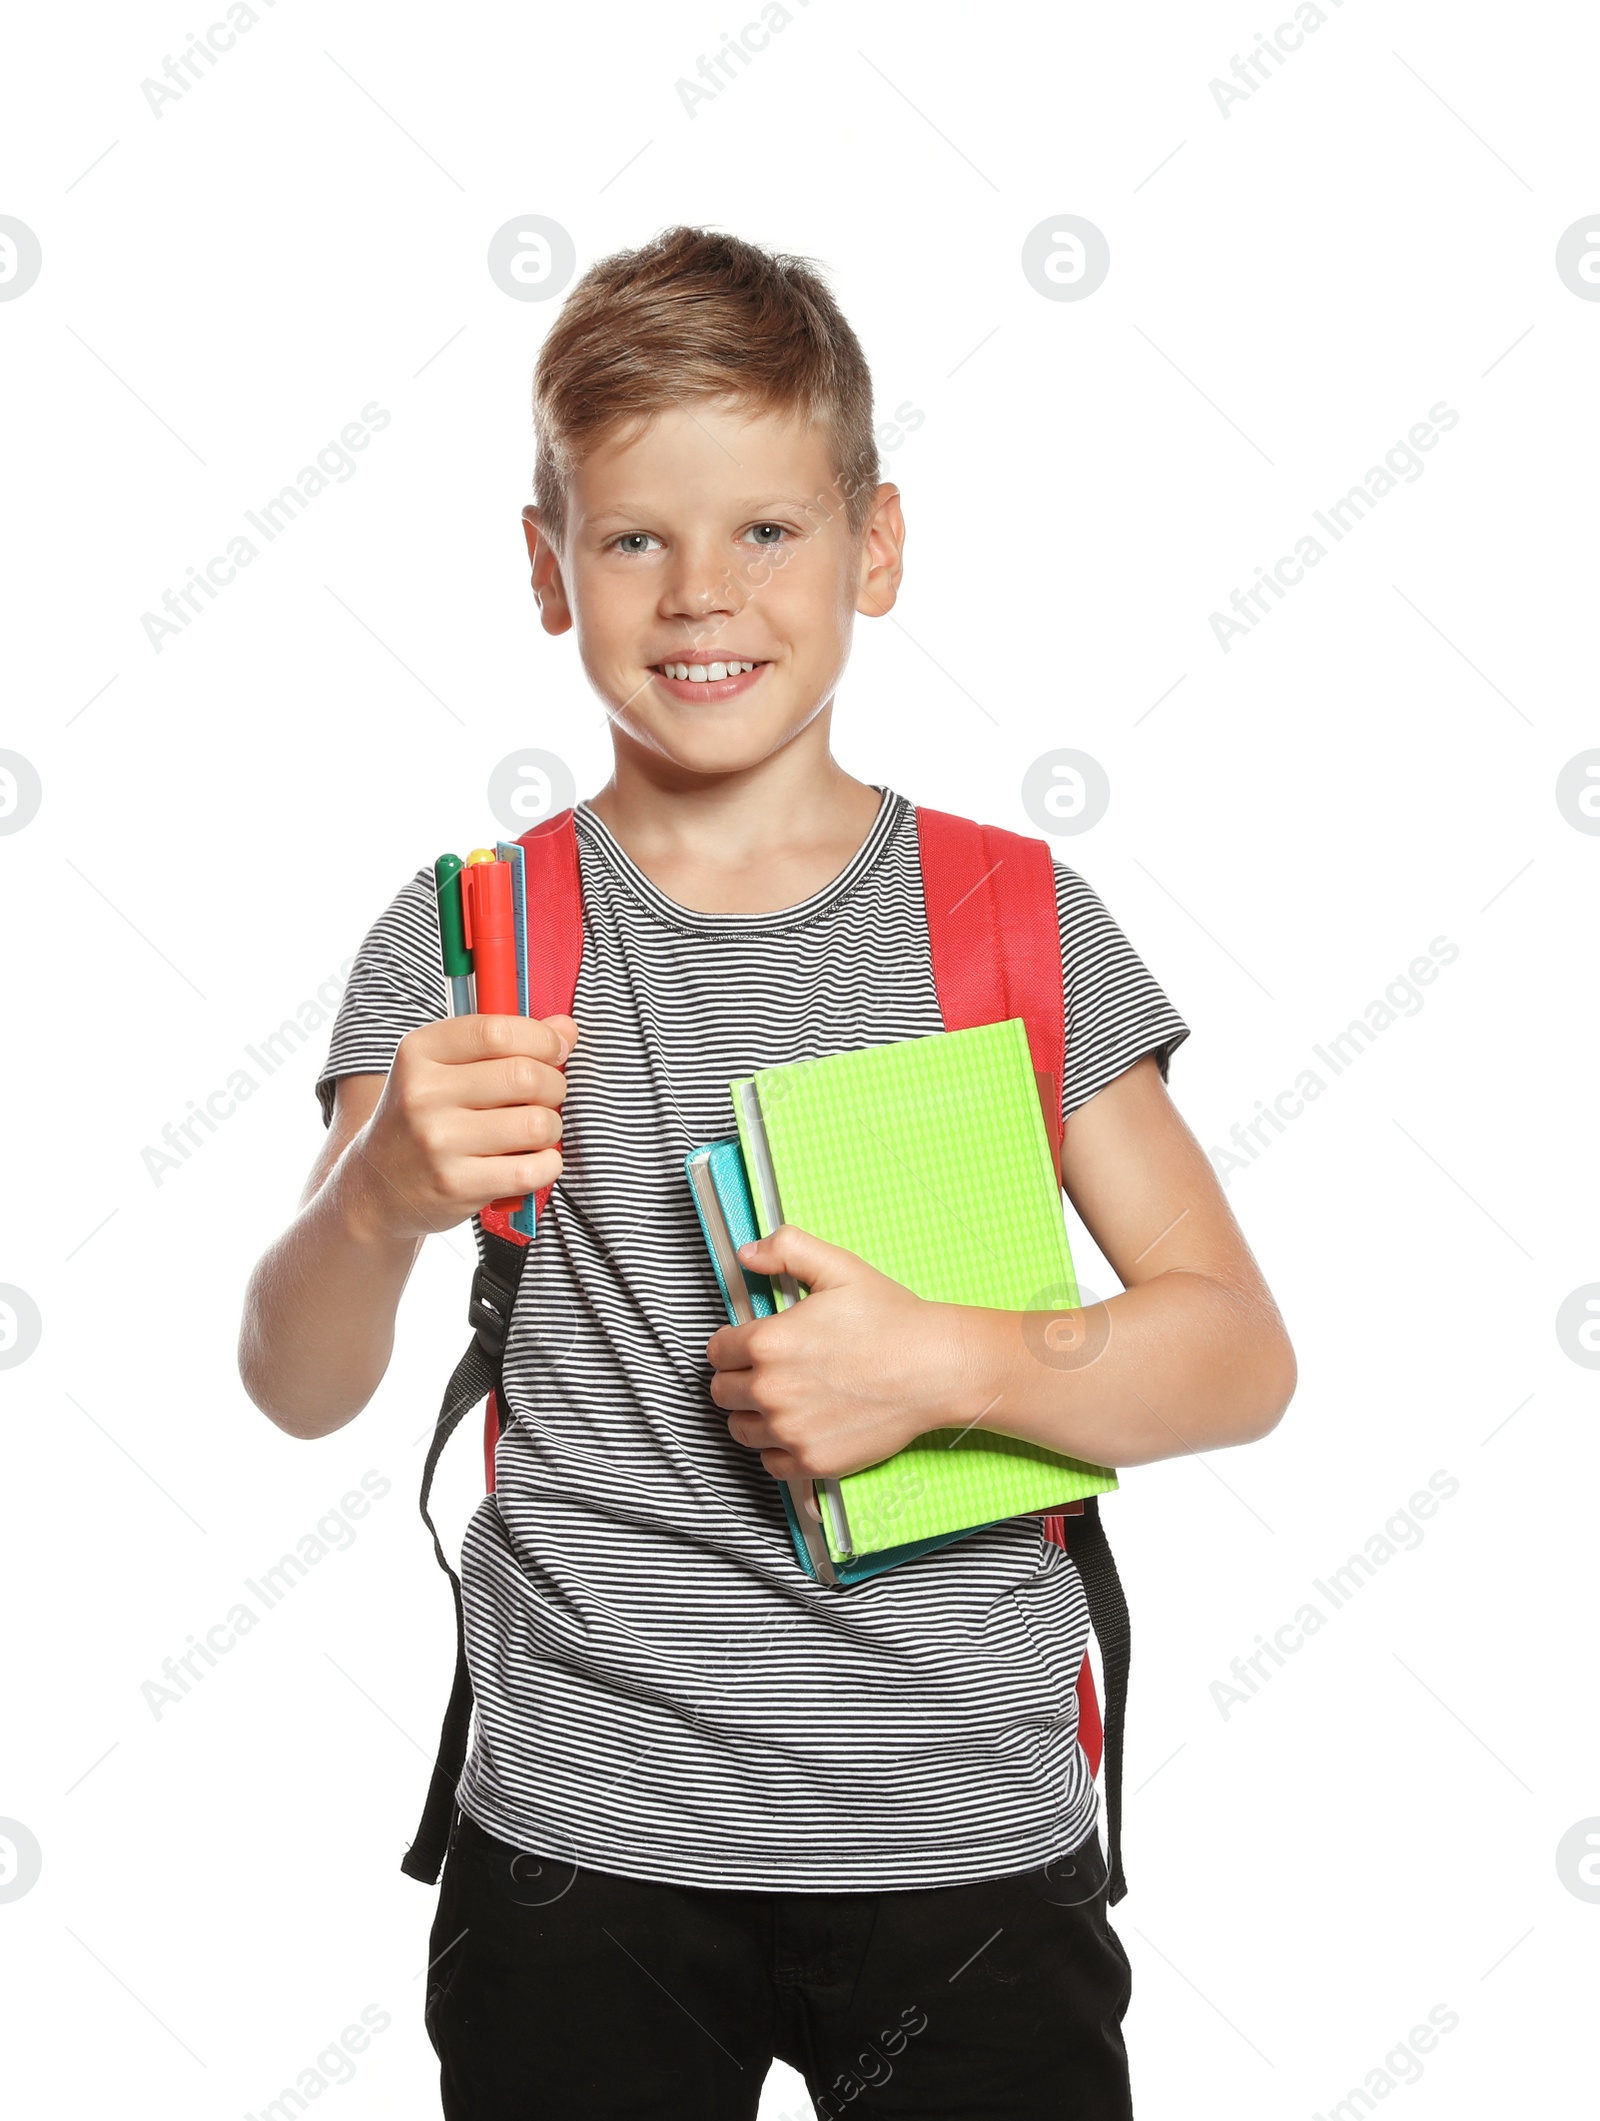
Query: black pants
point(580, 1996)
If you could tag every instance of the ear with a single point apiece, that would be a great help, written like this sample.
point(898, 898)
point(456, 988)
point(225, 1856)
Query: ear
point(550, 591)
point(882, 554)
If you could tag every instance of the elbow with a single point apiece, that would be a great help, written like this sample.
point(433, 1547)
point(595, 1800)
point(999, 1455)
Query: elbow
point(258, 1390)
point(1256, 1372)
point(304, 1424)
point(253, 1356)
point(257, 1370)
point(1274, 1375)
point(263, 1385)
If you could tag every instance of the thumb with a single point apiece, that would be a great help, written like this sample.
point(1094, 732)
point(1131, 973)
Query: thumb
point(791, 1250)
point(565, 1029)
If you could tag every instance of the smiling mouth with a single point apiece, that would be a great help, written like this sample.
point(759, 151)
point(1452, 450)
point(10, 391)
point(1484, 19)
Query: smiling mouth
point(706, 672)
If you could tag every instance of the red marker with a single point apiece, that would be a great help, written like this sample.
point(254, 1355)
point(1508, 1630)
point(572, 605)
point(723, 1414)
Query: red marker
point(489, 925)
point(491, 934)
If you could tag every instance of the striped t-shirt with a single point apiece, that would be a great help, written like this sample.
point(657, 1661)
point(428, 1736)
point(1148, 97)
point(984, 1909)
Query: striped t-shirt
point(662, 1691)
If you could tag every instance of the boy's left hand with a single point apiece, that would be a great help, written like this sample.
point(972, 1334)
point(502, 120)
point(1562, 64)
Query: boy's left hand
point(845, 1378)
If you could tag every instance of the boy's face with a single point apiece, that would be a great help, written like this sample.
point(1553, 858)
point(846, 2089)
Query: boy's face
point(717, 535)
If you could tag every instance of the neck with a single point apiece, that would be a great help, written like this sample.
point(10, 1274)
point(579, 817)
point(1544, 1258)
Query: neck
point(754, 840)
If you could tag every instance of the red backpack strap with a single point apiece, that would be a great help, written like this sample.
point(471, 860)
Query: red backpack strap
point(555, 952)
point(555, 923)
point(555, 946)
point(555, 914)
point(996, 940)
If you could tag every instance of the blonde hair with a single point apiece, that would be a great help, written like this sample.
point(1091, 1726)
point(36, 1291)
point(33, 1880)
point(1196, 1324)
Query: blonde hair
point(696, 314)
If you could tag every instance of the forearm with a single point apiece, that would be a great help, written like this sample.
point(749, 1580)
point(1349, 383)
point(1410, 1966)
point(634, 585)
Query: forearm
point(1181, 1363)
point(320, 1309)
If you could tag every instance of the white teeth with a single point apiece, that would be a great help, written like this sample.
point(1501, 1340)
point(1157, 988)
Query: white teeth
point(704, 673)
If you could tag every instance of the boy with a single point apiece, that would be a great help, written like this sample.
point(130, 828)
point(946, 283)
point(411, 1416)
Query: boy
point(714, 1812)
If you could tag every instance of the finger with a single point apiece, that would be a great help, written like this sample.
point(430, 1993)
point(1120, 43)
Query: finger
point(735, 1391)
point(473, 1038)
point(748, 1427)
point(500, 1177)
point(729, 1348)
point(507, 1130)
point(518, 1079)
point(790, 1250)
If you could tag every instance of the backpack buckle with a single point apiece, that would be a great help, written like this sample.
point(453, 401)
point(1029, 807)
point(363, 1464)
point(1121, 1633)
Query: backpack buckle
point(489, 1309)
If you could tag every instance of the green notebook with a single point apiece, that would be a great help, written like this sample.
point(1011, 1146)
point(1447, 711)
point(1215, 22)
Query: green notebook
point(929, 1159)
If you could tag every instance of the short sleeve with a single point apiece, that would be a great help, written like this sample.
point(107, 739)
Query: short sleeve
point(396, 985)
point(1116, 1013)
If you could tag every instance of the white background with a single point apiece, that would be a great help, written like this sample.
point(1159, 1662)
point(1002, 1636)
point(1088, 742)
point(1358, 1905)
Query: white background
point(1293, 285)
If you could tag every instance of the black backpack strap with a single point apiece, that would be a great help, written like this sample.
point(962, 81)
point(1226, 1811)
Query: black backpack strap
point(494, 1290)
point(1108, 1616)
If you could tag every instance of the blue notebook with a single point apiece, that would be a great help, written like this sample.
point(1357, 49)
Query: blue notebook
point(727, 1214)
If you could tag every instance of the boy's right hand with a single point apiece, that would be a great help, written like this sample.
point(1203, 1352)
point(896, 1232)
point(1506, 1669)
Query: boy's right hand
point(470, 1113)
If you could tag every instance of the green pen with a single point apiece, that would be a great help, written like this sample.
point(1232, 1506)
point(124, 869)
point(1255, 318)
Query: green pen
point(453, 951)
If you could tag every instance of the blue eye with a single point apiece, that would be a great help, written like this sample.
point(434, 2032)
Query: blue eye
point(634, 541)
point(760, 533)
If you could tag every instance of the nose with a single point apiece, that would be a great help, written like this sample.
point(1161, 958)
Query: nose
point(700, 587)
